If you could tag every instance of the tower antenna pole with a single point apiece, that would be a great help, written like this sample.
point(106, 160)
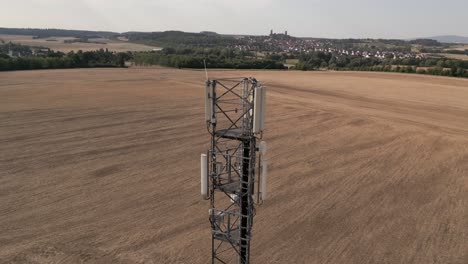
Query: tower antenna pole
point(206, 71)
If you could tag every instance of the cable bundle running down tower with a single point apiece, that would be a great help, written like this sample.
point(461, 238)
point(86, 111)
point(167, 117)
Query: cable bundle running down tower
point(233, 171)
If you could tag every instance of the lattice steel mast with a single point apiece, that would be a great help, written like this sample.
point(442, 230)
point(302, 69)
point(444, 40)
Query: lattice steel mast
point(235, 119)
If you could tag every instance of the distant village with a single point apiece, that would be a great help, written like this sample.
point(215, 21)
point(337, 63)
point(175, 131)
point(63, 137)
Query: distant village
point(282, 42)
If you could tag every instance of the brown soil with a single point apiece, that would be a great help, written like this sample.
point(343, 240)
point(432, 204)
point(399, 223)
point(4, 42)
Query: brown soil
point(102, 166)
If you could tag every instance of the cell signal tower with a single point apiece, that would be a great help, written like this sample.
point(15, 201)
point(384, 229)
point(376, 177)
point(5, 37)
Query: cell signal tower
point(233, 171)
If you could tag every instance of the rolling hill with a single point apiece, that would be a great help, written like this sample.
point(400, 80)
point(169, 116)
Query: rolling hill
point(450, 39)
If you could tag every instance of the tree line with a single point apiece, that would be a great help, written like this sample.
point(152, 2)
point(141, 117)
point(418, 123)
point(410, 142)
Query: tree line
point(177, 38)
point(184, 57)
point(433, 66)
point(435, 50)
point(59, 60)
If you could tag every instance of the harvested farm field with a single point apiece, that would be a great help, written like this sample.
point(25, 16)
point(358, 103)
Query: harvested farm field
point(102, 166)
point(59, 43)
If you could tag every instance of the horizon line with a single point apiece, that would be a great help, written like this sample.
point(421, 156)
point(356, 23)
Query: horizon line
point(235, 34)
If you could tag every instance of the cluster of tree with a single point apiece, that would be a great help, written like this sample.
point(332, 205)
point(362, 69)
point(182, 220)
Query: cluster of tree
point(6, 48)
point(458, 52)
point(432, 50)
point(426, 42)
point(371, 45)
point(459, 72)
point(59, 60)
point(176, 38)
point(216, 52)
point(434, 66)
point(197, 57)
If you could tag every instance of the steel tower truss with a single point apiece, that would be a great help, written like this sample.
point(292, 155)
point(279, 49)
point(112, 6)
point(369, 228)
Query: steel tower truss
point(231, 167)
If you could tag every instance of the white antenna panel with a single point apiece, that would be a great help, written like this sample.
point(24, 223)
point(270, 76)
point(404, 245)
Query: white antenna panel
point(258, 106)
point(263, 148)
point(264, 179)
point(204, 175)
point(262, 120)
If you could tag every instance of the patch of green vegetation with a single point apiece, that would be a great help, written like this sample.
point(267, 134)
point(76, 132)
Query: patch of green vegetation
point(197, 57)
point(179, 38)
point(23, 59)
point(435, 66)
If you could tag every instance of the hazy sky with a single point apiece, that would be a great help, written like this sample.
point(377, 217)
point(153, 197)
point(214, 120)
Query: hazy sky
point(312, 18)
